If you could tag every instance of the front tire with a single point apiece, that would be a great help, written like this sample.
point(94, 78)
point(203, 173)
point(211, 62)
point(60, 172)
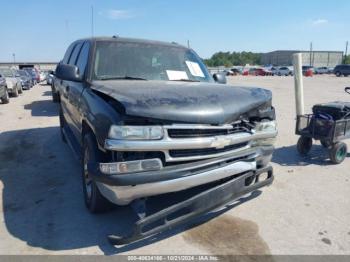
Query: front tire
point(338, 74)
point(15, 92)
point(5, 99)
point(304, 145)
point(20, 90)
point(94, 200)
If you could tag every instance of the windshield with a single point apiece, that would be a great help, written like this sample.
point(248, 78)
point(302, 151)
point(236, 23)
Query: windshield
point(6, 72)
point(145, 61)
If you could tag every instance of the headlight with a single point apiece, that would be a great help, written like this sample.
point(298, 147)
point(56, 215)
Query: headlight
point(268, 126)
point(136, 132)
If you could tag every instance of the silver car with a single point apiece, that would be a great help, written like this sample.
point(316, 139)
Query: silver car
point(13, 83)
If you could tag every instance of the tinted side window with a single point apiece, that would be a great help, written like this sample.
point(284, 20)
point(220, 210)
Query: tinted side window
point(83, 58)
point(67, 54)
point(73, 57)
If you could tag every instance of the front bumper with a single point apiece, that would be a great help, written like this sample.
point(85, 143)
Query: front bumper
point(124, 188)
point(202, 203)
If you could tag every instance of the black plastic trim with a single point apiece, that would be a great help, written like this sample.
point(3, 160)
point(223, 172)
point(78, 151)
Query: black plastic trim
point(195, 206)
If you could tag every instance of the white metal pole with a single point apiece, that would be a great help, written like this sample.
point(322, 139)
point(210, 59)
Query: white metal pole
point(298, 84)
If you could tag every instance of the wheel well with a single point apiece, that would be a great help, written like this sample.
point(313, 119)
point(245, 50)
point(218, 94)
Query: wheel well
point(86, 129)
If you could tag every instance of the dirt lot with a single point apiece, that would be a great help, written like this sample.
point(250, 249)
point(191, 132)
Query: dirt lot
point(305, 211)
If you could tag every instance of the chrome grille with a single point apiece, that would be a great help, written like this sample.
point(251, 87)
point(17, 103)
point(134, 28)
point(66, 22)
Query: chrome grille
point(204, 151)
point(184, 132)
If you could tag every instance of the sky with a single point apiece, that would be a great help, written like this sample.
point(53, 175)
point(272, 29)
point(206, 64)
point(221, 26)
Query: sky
point(41, 30)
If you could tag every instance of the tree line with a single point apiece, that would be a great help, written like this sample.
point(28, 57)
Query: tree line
point(228, 59)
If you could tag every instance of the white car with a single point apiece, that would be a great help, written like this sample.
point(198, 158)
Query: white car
point(42, 76)
point(283, 71)
point(13, 83)
point(321, 70)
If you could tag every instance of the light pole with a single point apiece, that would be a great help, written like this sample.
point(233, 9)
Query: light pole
point(346, 50)
point(92, 20)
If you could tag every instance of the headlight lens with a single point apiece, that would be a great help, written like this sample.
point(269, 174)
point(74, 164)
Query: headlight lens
point(136, 132)
point(267, 126)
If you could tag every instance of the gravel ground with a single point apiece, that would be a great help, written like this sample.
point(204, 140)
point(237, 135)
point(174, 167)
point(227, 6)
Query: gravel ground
point(305, 211)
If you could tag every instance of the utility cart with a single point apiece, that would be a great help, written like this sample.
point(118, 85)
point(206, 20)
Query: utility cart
point(329, 123)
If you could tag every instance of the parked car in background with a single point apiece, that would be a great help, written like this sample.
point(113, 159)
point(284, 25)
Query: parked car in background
point(273, 70)
point(4, 95)
point(49, 77)
point(283, 71)
point(258, 72)
point(14, 85)
point(42, 76)
point(33, 73)
point(233, 72)
point(330, 70)
point(321, 70)
point(342, 70)
point(25, 78)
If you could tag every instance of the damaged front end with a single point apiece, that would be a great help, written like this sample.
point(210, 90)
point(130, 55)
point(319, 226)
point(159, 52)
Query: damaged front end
point(151, 160)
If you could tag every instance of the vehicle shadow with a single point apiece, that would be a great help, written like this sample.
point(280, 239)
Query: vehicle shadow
point(289, 156)
point(42, 197)
point(42, 108)
point(47, 93)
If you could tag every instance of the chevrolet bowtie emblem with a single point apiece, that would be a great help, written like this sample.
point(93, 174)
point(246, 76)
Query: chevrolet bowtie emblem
point(220, 142)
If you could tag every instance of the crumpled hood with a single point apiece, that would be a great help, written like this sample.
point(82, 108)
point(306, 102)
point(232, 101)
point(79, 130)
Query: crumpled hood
point(204, 103)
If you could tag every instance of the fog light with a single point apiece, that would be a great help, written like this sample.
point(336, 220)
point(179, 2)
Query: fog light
point(131, 166)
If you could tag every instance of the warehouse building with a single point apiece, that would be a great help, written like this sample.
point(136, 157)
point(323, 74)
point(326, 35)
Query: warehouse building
point(314, 58)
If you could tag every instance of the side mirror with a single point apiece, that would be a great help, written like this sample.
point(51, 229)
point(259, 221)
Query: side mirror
point(220, 78)
point(68, 72)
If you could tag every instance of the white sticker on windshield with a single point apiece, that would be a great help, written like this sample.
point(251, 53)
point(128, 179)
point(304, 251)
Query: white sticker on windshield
point(195, 69)
point(176, 75)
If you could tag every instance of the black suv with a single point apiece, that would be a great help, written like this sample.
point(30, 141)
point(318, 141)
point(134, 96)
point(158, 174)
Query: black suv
point(148, 119)
point(340, 70)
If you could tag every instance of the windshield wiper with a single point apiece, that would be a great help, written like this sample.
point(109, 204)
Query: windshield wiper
point(122, 78)
point(186, 80)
